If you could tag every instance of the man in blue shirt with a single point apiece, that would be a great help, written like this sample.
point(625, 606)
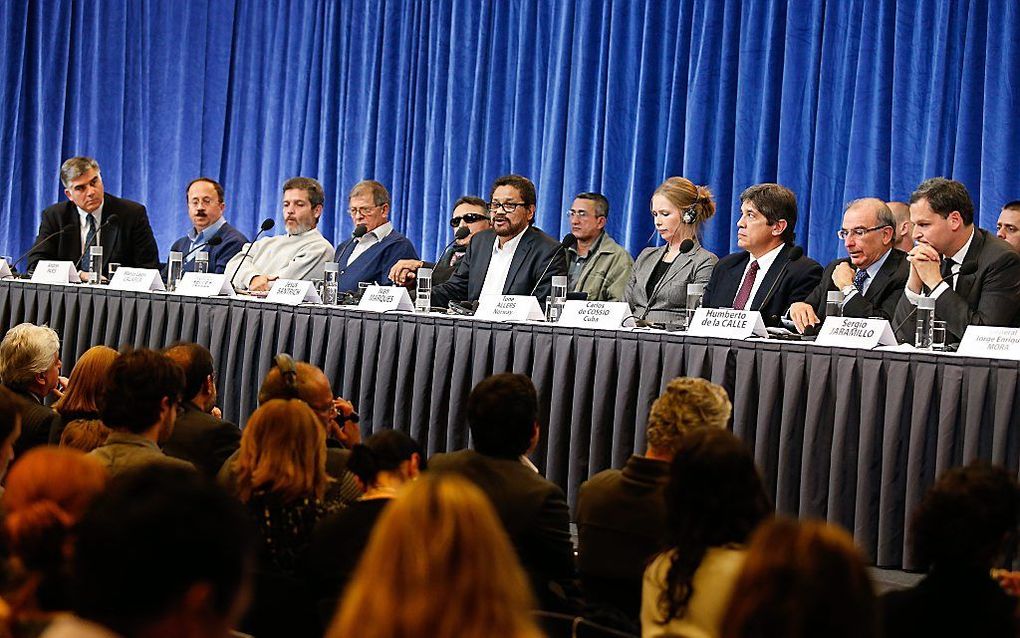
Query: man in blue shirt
point(205, 208)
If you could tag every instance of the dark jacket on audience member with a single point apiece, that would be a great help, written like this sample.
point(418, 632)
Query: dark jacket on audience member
point(124, 451)
point(621, 516)
point(202, 439)
point(533, 510)
point(879, 300)
point(36, 421)
point(233, 241)
point(800, 278)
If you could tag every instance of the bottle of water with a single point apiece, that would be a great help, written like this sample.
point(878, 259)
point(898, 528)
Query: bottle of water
point(557, 298)
point(174, 268)
point(329, 283)
point(695, 292)
point(925, 319)
point(202, 261)
point(95, 265)
point(834, 303)
point(423, 297)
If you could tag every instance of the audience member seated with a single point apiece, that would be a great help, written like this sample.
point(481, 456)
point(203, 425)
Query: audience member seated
point(468, 212)
point(502, 414)
point(84, 387)
point(621, 514)
point(657, 290)
point(85, 435)
point(162, 552)
point(10, 429)
point(762, 276)
point(200, 438)
point(48, 491)
point(386, 462)
point(714, 500)
point(139, 403)
point(964, 526)
point(30, 367)
point(802, 580)
point(438, 564)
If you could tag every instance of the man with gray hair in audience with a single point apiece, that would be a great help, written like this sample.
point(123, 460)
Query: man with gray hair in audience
point(30, 367)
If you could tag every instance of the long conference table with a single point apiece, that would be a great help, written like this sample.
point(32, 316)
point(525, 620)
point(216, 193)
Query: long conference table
point(852, 436)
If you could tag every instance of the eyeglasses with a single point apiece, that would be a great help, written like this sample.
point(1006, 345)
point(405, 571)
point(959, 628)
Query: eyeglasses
point(329, 411)
point(467, 218)
point(843, 233)
point(364, 210)
point(581, 214)
point(508, 207)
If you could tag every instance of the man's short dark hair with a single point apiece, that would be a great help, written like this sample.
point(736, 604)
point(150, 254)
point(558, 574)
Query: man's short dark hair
point(473, 201)
point(316, 194)
point(1013, 205)
point(944, 196)
point(501, 413)
point(601, 203)
point(775, 202)
point(136, 385)
point(195, 361)
point(153, 534)
point(525, 187)
point(216, 185)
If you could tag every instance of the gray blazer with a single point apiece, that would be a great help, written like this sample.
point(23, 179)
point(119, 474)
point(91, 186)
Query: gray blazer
point(694, 267)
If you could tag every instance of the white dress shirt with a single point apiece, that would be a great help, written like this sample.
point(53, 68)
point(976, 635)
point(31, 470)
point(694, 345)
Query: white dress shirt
point(958, 258)
point(764, 263)
point(499, 265)
point(369, 239)
point(84, 218)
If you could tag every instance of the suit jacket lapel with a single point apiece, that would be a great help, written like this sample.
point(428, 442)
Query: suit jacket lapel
point(483, 243)
point(965, 282)
point(731, 283)
point(884, 276)
point(770, 278)
point(520, 256)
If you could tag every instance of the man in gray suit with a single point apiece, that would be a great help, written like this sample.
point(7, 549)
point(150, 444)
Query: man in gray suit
point(943, 217)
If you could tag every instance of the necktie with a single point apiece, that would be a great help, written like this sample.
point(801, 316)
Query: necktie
point(859, 278)
point(90, 238)
point(744, 293)
point(947, 270)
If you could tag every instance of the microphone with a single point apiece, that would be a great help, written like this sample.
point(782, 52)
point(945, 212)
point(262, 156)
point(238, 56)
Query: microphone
point(461, 233)
point(795, 253)
point(266, 225)
point(685, 247)
point(215, 241)
point(967, 268)
point(569, 241)
point(39, 243)
point(359, 231)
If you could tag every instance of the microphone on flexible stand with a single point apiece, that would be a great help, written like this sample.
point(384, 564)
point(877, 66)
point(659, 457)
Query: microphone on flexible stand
point(14, 265)
point(795, 253)
point(967, 268)
point(215, 241)
point(569, 241)
point(685, 247)
point(267, 224)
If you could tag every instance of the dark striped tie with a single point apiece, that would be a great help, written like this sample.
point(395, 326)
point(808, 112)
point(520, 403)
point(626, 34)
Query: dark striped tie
point(90, 238)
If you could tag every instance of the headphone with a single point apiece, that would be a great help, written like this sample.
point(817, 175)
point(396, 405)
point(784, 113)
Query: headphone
point(288, 371)
point(689, 216)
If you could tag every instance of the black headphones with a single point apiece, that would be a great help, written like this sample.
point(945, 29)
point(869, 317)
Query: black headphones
point(689, 216)
point(288, 371)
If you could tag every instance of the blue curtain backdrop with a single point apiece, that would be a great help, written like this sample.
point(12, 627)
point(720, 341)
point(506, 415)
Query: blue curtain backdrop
point(837, 100)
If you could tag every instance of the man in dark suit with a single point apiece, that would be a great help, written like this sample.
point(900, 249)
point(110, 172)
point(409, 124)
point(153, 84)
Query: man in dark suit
point(199, 437)
point(469, 212)
point(763, 277)
point(30, 367)
point(943, 217)
point(205, 209)
point(511, 258)
point(872, 279)
point(502, 413)
point(128, 240)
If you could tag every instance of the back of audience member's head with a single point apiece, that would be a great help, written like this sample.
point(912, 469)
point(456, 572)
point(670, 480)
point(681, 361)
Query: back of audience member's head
point(85, 384)
point(714, 498)
point(196, 362)
point(438, 564)
point(163, 547)
point(800, 580)
point(968, 518)
point(502, 413)
point(10, 426)
point(306, 382)
point(386, 451)
point(141, 384)
point(48, 491)
point(84, 434)
point(283, 452)
point(687, 403)
point(27, 350)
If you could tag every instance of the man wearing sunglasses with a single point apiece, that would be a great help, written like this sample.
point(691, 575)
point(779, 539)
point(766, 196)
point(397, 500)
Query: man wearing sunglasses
point(469, 212)
point(873, 276)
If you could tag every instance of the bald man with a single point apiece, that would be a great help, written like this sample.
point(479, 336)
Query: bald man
point(903, 238)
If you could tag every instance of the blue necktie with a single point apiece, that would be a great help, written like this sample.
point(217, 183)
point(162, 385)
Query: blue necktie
point(859, 278)
point(90, 238)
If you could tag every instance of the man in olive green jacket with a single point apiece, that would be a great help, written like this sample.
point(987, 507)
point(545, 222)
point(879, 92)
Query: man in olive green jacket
point(597, 265)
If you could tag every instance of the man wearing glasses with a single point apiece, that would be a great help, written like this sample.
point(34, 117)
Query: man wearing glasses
point(873, 277)
point(514, 258)
point(375, 246)
point(470, 213)
point(598, 265)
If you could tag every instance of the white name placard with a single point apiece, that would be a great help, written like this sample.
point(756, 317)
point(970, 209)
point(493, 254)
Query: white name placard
point(727, 324)
point(204, 284)
point(48, 271)
point(607, 315)
point(137, 279)
point(509, 308)
point(850, 332)
point(991, 342)
point(5, 269)
point(293, 292)
point(385, 299)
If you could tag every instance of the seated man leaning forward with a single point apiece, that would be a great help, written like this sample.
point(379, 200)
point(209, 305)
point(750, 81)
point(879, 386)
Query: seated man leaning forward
point(470, 217)
point(299, 254)
point(872, 279)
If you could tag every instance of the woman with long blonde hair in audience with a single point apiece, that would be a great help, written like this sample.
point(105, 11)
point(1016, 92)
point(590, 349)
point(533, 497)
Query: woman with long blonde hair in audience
point(84, 386)
point(438, 564)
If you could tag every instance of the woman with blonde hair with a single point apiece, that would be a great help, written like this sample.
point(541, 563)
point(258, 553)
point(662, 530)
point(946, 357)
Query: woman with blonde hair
point(657, 290)
point(438, 564)
point(84, 386)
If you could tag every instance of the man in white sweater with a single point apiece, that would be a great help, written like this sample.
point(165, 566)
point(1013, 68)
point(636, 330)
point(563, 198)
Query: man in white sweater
point(300, 254)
